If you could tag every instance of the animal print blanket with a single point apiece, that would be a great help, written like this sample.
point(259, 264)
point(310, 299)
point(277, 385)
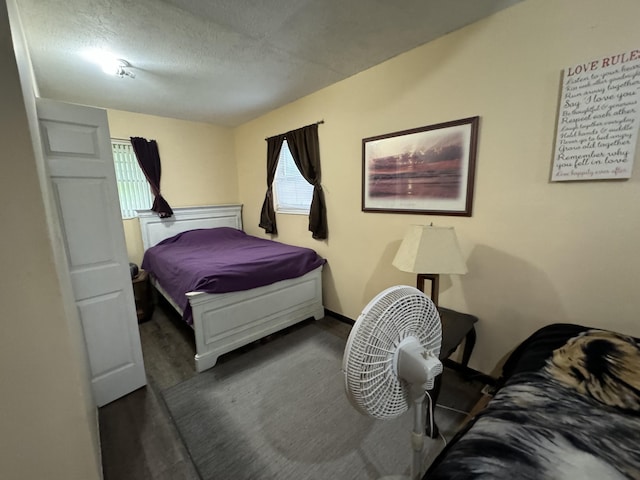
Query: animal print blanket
point(569, 409)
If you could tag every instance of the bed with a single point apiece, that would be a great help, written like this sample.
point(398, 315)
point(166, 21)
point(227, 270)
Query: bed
point(569, 408)
point(225, 318)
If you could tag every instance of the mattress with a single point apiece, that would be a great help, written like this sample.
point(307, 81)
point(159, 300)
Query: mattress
point(222, 260)
point(569, 408)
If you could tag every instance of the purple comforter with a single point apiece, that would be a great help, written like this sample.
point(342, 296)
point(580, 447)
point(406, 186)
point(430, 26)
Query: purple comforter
point(220, 260)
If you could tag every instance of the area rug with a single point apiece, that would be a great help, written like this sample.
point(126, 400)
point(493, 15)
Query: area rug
point(279, 411)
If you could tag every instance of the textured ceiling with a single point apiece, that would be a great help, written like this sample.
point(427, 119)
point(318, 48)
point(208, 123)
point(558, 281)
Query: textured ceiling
point(224, 61)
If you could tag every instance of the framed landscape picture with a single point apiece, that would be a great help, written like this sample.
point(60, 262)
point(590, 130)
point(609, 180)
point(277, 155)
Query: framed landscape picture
point(426, 170)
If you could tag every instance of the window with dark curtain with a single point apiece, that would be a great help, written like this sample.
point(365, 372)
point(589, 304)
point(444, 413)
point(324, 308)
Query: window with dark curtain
point(149, 159)
point(268, 213)
point(305, 150)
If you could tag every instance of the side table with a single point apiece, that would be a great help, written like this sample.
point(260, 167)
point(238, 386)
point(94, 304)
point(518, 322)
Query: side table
point(142, 295)
point(456, 328)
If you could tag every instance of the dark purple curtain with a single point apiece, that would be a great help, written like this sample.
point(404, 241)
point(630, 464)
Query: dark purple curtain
point(149, 161)
point(305, 150)
point(268, 213)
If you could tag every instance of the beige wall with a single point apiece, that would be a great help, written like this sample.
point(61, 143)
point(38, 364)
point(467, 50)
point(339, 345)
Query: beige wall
point(537, 252)
point(48, 418)
point(198, 163)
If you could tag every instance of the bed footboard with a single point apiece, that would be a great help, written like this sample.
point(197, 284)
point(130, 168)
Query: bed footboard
point(224, 322)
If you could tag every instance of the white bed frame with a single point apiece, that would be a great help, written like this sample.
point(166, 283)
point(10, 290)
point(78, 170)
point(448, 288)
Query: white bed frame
point(223, 322)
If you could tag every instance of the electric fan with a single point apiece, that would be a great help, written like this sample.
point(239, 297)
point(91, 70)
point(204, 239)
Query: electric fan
point(391, 360)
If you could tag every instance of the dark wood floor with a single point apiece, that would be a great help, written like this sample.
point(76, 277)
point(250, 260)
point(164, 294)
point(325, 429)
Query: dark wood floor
point(139, 440)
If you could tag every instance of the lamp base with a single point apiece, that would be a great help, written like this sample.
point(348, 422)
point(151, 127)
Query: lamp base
point(435, 285)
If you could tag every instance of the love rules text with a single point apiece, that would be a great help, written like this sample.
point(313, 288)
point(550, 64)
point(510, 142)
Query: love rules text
point(609, 61)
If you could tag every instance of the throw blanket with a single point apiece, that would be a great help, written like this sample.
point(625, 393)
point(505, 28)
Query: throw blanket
point(570, 409)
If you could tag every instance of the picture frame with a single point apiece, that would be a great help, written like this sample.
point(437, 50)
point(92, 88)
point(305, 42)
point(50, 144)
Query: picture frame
point(427, 170)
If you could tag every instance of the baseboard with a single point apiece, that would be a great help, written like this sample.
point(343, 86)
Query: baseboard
point(338, 316)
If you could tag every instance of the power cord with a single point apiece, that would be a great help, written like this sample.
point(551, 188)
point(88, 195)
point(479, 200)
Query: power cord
point(452, 409)
point(430, 412)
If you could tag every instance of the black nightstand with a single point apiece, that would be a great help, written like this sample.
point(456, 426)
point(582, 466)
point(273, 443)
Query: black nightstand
point(142, 295)
point(456, 328)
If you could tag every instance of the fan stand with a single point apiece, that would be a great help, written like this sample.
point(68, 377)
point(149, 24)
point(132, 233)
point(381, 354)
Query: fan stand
point(382, 377)
point(418, 396)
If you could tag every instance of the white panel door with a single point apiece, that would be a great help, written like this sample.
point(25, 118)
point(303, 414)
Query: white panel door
point(77, 150)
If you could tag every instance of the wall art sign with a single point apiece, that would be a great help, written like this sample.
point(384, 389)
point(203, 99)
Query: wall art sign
point(598, 119)
point(426, 170)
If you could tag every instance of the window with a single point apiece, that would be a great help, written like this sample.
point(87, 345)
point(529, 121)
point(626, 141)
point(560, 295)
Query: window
point(292, 193)
point(133, 188)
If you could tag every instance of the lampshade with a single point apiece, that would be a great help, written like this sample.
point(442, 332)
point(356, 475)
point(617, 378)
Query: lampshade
point(429, 249)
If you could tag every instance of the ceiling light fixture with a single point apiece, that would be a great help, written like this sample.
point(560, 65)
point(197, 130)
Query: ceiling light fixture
point(120, 69)
point(109, 63)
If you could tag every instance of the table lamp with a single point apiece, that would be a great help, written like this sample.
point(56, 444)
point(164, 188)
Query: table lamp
point(430, 251)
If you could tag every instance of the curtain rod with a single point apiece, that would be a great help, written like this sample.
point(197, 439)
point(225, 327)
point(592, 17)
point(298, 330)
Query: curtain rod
point(126, 140)
point(319, 122)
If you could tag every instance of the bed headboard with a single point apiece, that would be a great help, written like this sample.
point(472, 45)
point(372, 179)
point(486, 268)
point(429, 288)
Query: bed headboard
point(155, 229)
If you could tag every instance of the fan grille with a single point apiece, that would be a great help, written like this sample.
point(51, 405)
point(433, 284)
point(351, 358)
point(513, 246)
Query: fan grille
point(395, 314)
